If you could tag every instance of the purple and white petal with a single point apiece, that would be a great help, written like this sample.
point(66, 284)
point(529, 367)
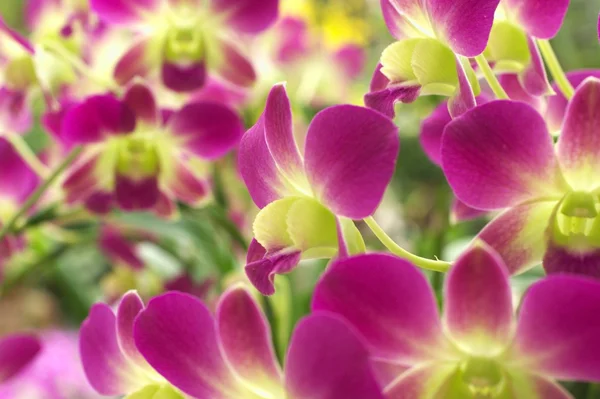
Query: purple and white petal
point(261, 272)
point(125, 12)
point(539, 18)
point(384, 100)
point(248, 16)
point(16, 353)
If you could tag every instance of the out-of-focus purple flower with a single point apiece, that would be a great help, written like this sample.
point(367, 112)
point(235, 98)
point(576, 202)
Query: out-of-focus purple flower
point(54, 373)
point(307, 201)
point(116, 246)
point(139, 159)
point(230, 354)
point(16, 353)
point(434, 39)
point(185, 39)
point(478, 348)
point(500, 155)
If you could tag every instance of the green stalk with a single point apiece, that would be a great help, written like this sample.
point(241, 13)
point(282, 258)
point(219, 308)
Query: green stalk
point(556, 69)
point(490, 77)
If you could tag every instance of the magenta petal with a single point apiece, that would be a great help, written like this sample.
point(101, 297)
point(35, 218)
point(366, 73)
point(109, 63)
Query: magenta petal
point(478, 301)
point(124, 11)
point(279, 133)
point(424, 381)
point(183, 78)
point(17, 179)
point(130, 306)
point(327, 360)
point(350, 157)
point(561, 260)
point(16, 353)
point(258, 168)
point(246, 339)
point(118, 249)
point(106, 368)
point(139, 60)
point(248, 16)
point(209, 130)
point(15, 37)
point(235, 66)
point(261, 273)
point(557, 104)
point(500, 154)
point(176, 334)
point(534, 78)
point(396, 311)
point(141, 102)
point(511, 84)
point(463, 98)
point(557, 333)
point(385, 99)
point(579, 142)
point(432, 129)
point(184, 185)
point(539, 18)
point(81, 181)
point(15, 111)
point(136, 195)
point(99, 202)
point(464, 24)
point(461, 212)
point(352, 59)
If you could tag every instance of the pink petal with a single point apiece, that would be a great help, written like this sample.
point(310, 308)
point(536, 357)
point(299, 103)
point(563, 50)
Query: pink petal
point(432, 129)
point(184, 185)
point(141, 102)
point(136, 194)
point(279, 133)
point(513, 87)
point(519, 235)
point(248, 16)
point(327, 360)
point(17, 179)
point(15, 37)
point(500, 154)
point(534, 78)
point(130, 306)
point(464, 24)
point(82, 181)
point(114, 244)
point(139, 60)
point(557, 104)
point(16, 353)
point(398, 15)
point(478, 301)
point(540, 18)
point(560, 260)
point(246, 339)
point(352, 59)
point(106, 368)
point(461, 212)
point(258, 168)
point(425, 381)
point(176, 334)
point(208, 130)
point(261, 272)
point(124, 12)
point(183, 78)
point(235, 67)
point(384, 100)
point(463, 98)
point(15, 111)
point(534, 386)
point(350, 157)
point(579, 142)
point(557, 333)
point(389, 302)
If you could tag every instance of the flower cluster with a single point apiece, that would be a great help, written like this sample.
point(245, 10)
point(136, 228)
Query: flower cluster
point(155, 140)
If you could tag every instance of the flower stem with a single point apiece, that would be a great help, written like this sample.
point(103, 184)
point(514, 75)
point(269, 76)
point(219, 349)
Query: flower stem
point(37, 194)
point(490, 77)
point(423, 263)
point(556, 69)
point(27, 154)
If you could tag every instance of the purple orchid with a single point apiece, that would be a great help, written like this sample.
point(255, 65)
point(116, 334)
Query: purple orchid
point(478, 349)
point(308, 200)
point(184, 39)
point(16, 353)
point(230, 354)
point(434, 39)
point(140, 158)
point(501, 156)
point(512, 47)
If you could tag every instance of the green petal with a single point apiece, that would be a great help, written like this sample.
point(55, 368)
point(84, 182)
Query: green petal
point(312, 226)
point(396, 60)
point(434, 63)
point(508, 47)
point(270, 226)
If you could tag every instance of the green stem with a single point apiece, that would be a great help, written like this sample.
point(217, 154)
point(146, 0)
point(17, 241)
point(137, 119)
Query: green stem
point(490, 77)
point(37, 194)
point(27, 154)
point(556, 69)
point(423, 263)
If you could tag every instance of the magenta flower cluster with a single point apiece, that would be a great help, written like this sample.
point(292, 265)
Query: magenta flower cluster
point(141, 98)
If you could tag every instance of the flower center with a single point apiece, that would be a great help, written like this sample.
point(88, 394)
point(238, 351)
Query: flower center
point(137, 157)
point(482, 376)
point(576, 224)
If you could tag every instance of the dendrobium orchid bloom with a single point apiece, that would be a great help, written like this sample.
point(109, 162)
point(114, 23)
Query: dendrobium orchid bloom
point(111, 361)
point(307, 201)
point(183, 39)
point(512, 47)
point(16, 353)
point(230, 354)
point(434, 39)
point(500, 155)
point(478, 349)
point(140, 158)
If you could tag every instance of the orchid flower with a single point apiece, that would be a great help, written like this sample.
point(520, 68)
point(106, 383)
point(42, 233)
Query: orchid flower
point(230, 354)
point(308, 200)
point(140, 159)
point(185, 39)
point(478, 349)
point(16, 353)
point(111, 361)
point(434, 39)
point(500, 155)
point(512, 47)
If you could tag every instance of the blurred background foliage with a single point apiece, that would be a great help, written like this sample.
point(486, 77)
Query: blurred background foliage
point(66, 274)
